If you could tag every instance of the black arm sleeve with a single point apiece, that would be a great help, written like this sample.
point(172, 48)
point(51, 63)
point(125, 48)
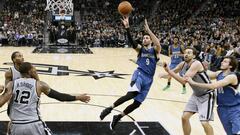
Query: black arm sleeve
point(61, 96)
point(130, 39)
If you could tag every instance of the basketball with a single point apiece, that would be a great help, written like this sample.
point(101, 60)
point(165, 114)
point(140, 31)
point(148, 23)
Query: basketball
point(125, 8)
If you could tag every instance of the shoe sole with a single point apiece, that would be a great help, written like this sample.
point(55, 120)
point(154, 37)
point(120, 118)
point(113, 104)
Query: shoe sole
point(110, 125)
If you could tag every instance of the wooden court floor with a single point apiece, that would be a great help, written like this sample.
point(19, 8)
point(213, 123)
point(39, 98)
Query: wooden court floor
point(105, 76)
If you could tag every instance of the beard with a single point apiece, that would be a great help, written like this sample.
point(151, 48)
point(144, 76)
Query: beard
point(186, 59)
point(222, 68)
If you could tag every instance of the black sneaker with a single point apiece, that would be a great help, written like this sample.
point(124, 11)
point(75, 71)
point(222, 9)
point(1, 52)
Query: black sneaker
point(115, 120)
point(105, 112)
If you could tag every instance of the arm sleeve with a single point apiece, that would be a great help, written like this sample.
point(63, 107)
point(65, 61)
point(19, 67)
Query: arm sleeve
point(61, 96)
point(130, 39)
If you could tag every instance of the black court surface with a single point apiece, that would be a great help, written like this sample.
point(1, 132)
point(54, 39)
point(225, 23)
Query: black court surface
point(100, 128)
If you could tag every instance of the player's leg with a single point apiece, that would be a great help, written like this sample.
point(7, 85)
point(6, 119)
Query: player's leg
point(207, 128)
point(190, 109)
point(205, 110)
point(171, 66)
point(186, 122)
point(141, 96)
point(168, 84)
point(128, 96)
point(129, 109)
point(184, 90)
point(133, 90)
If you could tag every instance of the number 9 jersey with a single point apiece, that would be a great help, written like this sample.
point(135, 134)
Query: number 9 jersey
point(147, 61)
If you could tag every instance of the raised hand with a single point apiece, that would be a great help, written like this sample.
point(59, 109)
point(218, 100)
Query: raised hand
point(146, 26)
point(125, 21)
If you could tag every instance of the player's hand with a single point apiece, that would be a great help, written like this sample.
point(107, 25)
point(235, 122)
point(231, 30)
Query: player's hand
point(83, 97)
point(189, 80)
point(146, 26)
point(1, 88)
point(125, 21)
point(165, 66)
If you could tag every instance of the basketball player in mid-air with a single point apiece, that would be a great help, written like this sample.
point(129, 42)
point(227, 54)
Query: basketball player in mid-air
point(228, 96)
point(202, 99)
point(25, 93)
point(175, 51)
point(142, 78)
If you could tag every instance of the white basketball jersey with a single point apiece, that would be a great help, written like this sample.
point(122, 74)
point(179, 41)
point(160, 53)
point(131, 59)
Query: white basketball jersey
point(15, 73)
point(24, 107)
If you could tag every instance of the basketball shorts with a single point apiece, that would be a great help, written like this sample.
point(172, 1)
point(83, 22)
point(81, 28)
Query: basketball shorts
point(230, 118)
point(34, 128)
point(141, 83)
point(202, 105)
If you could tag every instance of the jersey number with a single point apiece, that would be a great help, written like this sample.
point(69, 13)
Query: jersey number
point(175, 56)
point(147, 61)
point(24, 96)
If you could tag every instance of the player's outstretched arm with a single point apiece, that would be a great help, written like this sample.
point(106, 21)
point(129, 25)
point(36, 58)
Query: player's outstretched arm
point(125, 21)
point(155, 40)
point(173, 72)
point(190, 73)
point(44, 87)
point(230, 79)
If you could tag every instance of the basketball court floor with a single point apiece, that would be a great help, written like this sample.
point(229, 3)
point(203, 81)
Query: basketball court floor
point(105, 76)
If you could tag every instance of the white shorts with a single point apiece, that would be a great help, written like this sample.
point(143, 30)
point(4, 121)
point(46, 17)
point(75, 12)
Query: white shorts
point(202, 105)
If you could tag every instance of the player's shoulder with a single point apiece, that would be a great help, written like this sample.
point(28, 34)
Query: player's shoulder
point(218, 72)
point(8, 73)
point(233, 75)
point(196, 63)
point(42, 84)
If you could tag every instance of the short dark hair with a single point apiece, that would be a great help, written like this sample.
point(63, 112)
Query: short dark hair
point(195, 52)
point(25, 67)
point(233, 62)
point(14, 54)
point(145, 33)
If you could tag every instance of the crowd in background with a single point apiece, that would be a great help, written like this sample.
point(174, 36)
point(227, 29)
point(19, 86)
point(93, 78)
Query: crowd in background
point(22, 22)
